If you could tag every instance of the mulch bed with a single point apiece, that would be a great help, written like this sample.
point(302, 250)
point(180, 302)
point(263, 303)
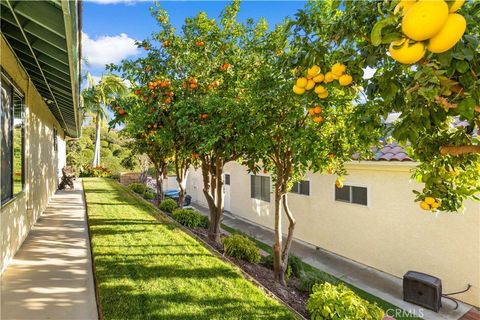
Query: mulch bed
point(290, 294)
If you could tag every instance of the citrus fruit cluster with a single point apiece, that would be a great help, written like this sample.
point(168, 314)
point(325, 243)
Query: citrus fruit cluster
point(315, 114)
point(314, 77)
point(427, 24)
point(430, 204)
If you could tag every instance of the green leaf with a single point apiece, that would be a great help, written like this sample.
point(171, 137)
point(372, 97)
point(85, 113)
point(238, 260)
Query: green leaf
point(462, 66)
point(466, 108)
point(376, 35)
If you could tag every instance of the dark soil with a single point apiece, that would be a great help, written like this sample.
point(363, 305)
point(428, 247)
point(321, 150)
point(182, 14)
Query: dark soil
point(290, 294)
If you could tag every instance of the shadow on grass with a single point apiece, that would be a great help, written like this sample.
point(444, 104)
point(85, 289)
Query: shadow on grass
point(148, 305)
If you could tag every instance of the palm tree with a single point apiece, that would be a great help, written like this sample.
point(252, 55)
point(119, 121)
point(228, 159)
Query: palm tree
point(96, 97)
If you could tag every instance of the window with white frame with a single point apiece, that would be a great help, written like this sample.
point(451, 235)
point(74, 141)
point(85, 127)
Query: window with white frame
point(12, 140)
point(352, 194)
point(301, 187)
point(260, 188)
point(227, 179)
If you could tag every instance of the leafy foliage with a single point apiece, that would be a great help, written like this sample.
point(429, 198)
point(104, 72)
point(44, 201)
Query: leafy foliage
point(204, 222)
point(187, 217)
point(115, 151)
point(437, 100)
point(241, 247)
point(328, 301)
point(294, 267)
point(168, 205)
point(136, 187)
point(149, 195)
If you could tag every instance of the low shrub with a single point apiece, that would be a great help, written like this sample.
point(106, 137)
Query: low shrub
point(329, 301)
point(168, 205)
point(149, 195)
point(308, 280)
point(204, 222)
point(294, 267)
point(241, 247)
point(136, 187)
point(187, 217)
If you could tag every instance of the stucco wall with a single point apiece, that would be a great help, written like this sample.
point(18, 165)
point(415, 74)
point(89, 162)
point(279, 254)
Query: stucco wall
point(392, 234)
point(41, 162)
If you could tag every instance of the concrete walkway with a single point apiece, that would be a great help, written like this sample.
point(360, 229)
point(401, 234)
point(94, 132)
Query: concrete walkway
point(51, 275)
point(380, 284)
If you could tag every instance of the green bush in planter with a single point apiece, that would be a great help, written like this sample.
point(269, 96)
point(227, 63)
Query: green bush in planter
point(294, 267)
point(204, 222)
point(187, 217)
point(148, 195)
point(136, 187)
point(329, 301)
point(168, 205)
point(241, 247)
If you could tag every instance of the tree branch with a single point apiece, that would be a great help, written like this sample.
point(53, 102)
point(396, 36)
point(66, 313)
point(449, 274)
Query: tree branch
point(459, 150)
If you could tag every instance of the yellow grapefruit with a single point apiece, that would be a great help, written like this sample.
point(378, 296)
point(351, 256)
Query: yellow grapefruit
point(302, 82)
point(429, 200)
point(319, 78)
point(406, 53)
point(310, 85)
point(313, 71)
point(323, 95)
point(298, 90)
point(403, 6)
point(338, 69)
point(339, 183)
point(425, 19)
point(345, 80)
point(435, 205)
point(456, 5)
point(424, 205)
point(329, 77)
point(320, 89)
point(450, 34)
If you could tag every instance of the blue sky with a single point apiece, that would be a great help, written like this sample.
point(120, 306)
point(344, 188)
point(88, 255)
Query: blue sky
point(111, 26)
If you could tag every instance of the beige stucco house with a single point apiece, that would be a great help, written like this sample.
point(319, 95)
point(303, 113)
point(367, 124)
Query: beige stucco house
point(40, 69)
point(372, 220)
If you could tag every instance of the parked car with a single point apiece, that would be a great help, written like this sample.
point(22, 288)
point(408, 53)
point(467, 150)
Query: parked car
point(174, 194)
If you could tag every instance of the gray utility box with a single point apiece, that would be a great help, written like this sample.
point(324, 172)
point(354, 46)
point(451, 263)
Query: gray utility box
point(423, 290)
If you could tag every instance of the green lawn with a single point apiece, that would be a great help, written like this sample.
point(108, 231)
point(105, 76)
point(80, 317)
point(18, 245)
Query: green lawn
point(146, 269)
point(323, 276)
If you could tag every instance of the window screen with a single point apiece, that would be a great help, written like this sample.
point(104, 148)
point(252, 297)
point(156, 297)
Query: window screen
point(352, 194)
point(302, 187)
point(12, 141)
point(227, 179)
point(260, 188)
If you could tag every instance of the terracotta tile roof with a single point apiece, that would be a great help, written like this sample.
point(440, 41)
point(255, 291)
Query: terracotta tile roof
point(389, 152)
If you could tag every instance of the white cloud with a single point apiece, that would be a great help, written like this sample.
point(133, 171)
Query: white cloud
point(107, 49)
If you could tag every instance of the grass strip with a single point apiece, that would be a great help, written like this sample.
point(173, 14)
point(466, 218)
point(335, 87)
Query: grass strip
point(150, 269)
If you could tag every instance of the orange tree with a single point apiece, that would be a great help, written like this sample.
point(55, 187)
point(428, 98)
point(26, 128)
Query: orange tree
point(211, 61)
point(430, 77)
point(309, 129)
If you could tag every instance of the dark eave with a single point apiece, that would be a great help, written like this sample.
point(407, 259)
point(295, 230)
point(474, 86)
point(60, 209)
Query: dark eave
point(45, 36)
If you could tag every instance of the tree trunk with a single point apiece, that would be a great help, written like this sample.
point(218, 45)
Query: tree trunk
point(212, 189)
point(278, 267)
point(159, 172)
point(181, 169)
point(218, 201)
point(96, 154)
point(291, 227)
